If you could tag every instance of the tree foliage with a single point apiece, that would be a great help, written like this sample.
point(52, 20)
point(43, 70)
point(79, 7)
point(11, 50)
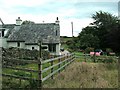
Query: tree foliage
point(102, 33)
point(28, 22)
point(89, 40)
point(104, 23)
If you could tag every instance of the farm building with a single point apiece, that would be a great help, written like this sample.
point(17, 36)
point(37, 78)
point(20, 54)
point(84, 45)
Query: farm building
point(27, 36)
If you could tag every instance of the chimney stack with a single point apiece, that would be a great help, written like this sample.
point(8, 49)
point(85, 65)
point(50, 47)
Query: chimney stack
point(18, 21)
point(57, 21)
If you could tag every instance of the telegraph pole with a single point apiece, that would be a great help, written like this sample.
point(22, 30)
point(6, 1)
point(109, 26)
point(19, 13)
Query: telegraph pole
point(119, 10)
point(72, 28)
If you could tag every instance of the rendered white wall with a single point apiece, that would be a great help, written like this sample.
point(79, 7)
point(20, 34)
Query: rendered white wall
point(3, 42)
point(12, 44)
point(22, 44)
point(57, 49)
point(30, 47)
point(0, 42)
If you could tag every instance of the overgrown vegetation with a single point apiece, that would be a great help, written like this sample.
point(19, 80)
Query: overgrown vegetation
point(86, 75)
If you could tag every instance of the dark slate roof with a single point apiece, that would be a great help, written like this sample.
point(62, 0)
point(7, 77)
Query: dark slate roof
point(9, 27)
point(31, 33)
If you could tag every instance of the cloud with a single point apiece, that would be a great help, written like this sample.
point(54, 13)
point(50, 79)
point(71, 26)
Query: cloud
point(77, 11)
point(78, 24)
point(97, 0)
point(29, 3)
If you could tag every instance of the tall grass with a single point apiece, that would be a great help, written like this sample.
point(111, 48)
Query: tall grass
point(86, 75)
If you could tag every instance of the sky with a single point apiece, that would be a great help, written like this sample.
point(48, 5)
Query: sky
point(77, 11)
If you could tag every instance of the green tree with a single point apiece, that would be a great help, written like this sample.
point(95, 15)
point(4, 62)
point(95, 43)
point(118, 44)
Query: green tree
point(73, 44)
point(104, 24)
point(102, 33)
point(89, 40)
point(113, 37)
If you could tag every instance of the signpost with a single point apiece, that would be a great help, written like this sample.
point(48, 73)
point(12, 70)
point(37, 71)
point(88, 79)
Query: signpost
point(40, 65)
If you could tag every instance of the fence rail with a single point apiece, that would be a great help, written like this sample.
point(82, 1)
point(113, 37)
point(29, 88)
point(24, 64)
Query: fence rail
point(67, 60)
point(23, 69)
point(18, 77)
point(59, 62)
point(48, 76)
point(18, 60)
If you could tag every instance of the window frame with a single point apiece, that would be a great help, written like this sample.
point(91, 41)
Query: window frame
point(33, 48)
point(56, 33)
point(18, 44)
point(52, 47)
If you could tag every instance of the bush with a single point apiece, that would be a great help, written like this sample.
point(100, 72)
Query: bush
point(109, 50)
point(89, 49)
point(107, 59)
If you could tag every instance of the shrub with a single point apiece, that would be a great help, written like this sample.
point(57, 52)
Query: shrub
point(89, 49)
point(107, 59)
point(109, 50)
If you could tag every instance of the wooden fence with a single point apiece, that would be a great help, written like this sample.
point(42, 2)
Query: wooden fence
point(54, 65)
point(94, 58)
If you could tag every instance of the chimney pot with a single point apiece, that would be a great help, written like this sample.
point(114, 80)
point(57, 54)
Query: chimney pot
point(18, 21)
point(57, 21)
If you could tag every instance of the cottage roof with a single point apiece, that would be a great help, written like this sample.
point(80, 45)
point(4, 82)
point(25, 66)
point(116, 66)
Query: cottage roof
point(8, 27)
point(31, 33)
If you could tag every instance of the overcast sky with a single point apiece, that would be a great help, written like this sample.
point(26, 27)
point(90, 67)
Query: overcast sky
point(77, 11)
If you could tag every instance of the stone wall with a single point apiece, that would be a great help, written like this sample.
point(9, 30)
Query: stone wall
point(23, 53)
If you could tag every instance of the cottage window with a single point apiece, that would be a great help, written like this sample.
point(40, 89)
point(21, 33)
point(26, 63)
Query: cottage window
point(56, 32)
point(2, 33)
point(18, 44)
point(52, 47)
point(33, 48)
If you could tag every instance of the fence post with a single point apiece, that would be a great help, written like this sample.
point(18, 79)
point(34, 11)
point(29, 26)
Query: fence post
point(94, 57)
point(64, 59)
point(74, 56)
point(85, 57)
point(40, 65)
point(39, 74)
point(52, 69)
point(59, 60)
point(71, 58)
point(67, 58)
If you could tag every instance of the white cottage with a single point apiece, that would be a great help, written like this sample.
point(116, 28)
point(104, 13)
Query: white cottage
point(27, 35)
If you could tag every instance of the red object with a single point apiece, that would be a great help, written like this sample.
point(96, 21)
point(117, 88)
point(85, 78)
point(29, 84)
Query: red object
point(96, 53)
